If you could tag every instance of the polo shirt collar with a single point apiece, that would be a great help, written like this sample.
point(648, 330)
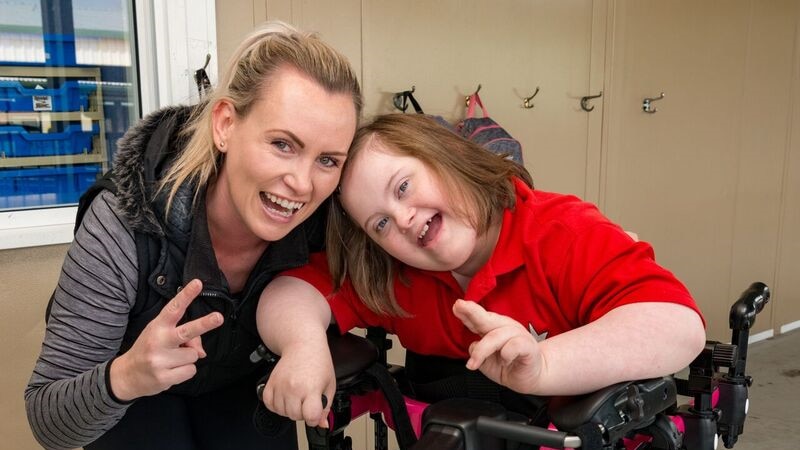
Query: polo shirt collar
point(508, 254)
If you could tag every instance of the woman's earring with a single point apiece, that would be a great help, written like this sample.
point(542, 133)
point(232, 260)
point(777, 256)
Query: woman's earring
point(221, 144)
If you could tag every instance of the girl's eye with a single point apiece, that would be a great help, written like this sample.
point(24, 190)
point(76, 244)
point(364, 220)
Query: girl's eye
point(402, 188)
point(329, 161)
point(381, 224)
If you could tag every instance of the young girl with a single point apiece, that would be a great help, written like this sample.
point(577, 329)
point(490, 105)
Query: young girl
point(558, 300)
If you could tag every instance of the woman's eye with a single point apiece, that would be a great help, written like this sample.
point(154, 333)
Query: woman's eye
point(381, 224)
point(328, 161)
point(402, 188)
point(282, 146)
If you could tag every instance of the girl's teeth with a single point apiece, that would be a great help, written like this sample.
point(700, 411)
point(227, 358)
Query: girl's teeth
point(425, 228)
point(424, 231)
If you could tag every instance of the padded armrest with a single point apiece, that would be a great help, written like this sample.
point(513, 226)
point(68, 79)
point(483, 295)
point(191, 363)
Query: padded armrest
point(620, 405)
point(351, 355)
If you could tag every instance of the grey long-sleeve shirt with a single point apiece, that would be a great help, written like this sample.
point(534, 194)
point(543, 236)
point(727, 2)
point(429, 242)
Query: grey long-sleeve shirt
point(67, 398)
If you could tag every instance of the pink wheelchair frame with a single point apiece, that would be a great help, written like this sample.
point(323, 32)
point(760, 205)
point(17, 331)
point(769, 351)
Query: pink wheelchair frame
point(633, 415)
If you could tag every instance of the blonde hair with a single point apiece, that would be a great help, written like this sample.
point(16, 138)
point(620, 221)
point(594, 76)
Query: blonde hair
point(250, 68)
point(478, 180)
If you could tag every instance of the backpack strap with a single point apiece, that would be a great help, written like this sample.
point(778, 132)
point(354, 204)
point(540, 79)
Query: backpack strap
point(475, 100)
point(414, 103)
point(401, 99)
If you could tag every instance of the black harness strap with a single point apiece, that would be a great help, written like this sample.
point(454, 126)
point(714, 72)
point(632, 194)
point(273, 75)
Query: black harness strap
point(404, 431)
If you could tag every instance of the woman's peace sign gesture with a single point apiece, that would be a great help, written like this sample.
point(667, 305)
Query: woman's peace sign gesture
point(165, 353)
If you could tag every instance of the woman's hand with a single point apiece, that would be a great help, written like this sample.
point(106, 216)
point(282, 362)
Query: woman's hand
point(303, 374)
point(165, 353)
point(507, 353)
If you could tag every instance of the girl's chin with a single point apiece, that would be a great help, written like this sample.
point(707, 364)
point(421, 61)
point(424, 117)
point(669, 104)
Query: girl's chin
point(434, 266)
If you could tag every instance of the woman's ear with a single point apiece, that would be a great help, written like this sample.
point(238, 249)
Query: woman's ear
point(223, 118)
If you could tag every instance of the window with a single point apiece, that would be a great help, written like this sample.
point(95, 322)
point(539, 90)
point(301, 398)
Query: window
point(89, 44)
point(68, 91)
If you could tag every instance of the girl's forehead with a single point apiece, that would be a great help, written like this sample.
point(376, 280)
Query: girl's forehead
point(371, 169)
point(371, 152)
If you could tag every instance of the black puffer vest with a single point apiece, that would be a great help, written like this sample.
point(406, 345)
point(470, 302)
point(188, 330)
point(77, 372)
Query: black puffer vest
point(173, 251)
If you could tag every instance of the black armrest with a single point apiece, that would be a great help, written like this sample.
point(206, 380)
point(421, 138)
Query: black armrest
point(351, 355)
point(619, 408)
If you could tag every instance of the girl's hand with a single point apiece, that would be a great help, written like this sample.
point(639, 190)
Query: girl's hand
point(302, 375)
point(507, 353)
point(165, 353)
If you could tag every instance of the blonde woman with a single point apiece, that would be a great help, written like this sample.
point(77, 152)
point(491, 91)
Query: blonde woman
point(153, 319)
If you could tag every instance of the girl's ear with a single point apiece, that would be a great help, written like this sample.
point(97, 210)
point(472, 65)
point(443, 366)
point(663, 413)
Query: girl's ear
point(223, 119)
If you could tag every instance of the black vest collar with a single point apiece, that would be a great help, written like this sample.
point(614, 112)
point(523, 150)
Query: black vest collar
point(201, 262)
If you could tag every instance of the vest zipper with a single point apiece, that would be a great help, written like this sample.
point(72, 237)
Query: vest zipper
point(230, 333)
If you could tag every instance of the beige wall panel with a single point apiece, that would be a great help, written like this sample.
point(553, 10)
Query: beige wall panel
point(278, 9)
point(672, 176)
point(447, 48)
point(602, 20)
point(235, 18)
point(762, 139)
point(787, 287)
point(338, 22)
point(28, 278)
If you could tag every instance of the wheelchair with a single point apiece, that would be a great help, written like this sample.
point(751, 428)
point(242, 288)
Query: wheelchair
point(633, 415)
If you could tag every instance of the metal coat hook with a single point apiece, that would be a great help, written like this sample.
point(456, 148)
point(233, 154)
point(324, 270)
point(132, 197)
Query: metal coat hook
point(584, 100)
point(466, 99)
point(646, 104)
point(201, 78)
point(400, 99)
point(527, 100)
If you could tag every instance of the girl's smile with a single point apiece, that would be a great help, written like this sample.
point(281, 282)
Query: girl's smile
point(402, 205)
point(430, 230)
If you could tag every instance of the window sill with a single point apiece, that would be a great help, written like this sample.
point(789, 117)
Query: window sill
point(31, 228)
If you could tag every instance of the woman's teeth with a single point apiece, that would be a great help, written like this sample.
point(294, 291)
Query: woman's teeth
point(288, 207)
point(285, 203)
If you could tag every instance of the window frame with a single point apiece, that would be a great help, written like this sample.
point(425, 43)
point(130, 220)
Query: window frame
point(54, 225)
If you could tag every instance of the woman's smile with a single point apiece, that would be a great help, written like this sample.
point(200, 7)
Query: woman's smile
point(283, 159)
point(281, 206)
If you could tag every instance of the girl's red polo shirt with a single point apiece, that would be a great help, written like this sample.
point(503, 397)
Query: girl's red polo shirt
point(558, 264)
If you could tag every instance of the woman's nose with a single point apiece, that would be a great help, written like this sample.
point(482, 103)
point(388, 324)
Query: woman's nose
point(300, 177)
